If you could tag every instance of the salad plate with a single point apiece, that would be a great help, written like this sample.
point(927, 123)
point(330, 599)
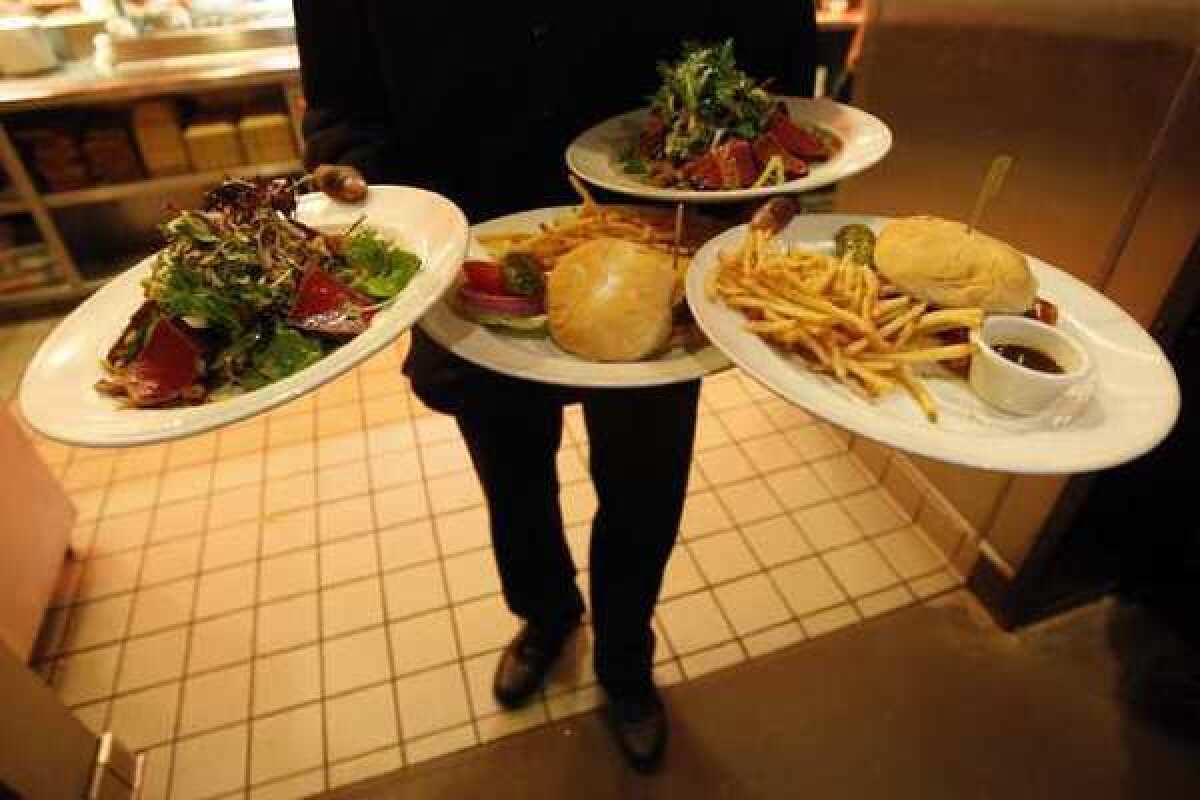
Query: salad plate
point(59, 396)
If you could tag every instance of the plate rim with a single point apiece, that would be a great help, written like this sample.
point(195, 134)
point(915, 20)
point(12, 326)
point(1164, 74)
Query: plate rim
point(725, 196)
point(166, 432)
point(1087, 461)
point(643, 376)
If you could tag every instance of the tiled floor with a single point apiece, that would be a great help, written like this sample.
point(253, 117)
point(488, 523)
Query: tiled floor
point(309, 598)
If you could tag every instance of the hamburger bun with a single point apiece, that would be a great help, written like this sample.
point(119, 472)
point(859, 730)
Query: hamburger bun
point(610, 300)
point(943, 263)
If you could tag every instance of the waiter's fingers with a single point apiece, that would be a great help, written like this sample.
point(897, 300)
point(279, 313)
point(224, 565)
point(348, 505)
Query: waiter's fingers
point(340, 182)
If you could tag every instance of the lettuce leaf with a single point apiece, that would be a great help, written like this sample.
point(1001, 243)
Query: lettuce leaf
point(388, 269)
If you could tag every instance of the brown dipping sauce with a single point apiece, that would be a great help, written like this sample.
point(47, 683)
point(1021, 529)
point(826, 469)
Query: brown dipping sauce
point(1028, 357)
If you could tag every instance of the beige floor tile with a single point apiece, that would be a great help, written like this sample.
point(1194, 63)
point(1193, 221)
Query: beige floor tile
point(88, 503)
point(874, 512)
point(392, 438)
point(418, 716)
point(215, 699)
point(293, 429)
point(243, 438)
point(348, 559)
point(724, 465)
point(231, 546)
point(165, 606)
point(710, 433)
point(693, 623)
point(472, 575)
point(444, 458)
point(461, 531)
point(362, 768)
point(307, 402)
point(139, 462)
point(186, 484)
point(395, 469)
point(827, 526)
point(344, 518)
point(885, 601)
point(746, 422)
point(720, 395)
point(226, 590)
point(829, 621)
point(578, 503)
point(287, 575)
point(94, 717)
point(703, 514)
point(408, 544)
point(286, 624)
point(289, 494)
point(86, 677)
point(909, 554)
point(354, 661)
point(385, 410)
point(179, 519)
point(130, 496)
point(292, 459)
point(508, 723)
point(235, 505)
point(414, 590)
point(110, 575)
point(798, 487)
point(125, 532)
point(352, 607)
point(288, 531)
point(752, 604)
point(681, 575)
point(777, 541)
point(287, 679)
point(807, 586)
point(571, 466)
point(343, 480)
point(812, 442)
point(699, 664)
point(843, 475)
point(286, 744)
point(579, 540)
point(484, 625)
point(152, 659)
point(934, 584)
point(341, 448)
point(88, 474)
point(576, 702)
point(210, 765)
point(749, 501)
point(770, 641)
point(574, 667)
point(170, 561)
point(435, 428)
point(147, 718)
point(99, 622)
point(440, 744)
point(771, 453)
point(341, 420)
point(234, 472)
point(221, 641)
point(401, 504)
point(191, 451)
point(723, 557)
point(454, 492)
point(755, 389)
point(339, 392)
point(304, 784)
point(860, 569)
point(422, 642)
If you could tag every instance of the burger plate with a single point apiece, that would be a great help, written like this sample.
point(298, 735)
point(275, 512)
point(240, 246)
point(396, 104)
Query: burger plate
point(1133, 404)
point(540, 359)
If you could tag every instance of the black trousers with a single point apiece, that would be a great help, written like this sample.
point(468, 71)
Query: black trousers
point(641, 448)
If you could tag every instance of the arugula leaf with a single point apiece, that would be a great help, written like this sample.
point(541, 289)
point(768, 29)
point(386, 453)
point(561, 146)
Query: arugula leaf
point(288, 352)
point(388, 269)
point(180, 292)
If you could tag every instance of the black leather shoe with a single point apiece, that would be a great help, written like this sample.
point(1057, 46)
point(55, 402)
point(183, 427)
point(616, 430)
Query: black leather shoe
point(639, 723)
point(526, 660)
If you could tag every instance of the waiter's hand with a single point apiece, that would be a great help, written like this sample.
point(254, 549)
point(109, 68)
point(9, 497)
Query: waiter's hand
point(342, 183)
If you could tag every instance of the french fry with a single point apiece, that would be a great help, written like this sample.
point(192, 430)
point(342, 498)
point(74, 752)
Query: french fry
point(944, 353)
point(914, 386)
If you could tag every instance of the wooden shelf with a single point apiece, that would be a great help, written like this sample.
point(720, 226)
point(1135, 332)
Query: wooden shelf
point(62, 292)
point(11, 204)
point(121, 191)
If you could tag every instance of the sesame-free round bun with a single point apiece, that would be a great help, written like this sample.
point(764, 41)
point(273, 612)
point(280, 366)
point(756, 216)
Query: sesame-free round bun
point(941, 262)
point(610, 300)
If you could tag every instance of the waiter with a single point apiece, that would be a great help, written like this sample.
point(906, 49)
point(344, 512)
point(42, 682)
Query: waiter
point(479, 103)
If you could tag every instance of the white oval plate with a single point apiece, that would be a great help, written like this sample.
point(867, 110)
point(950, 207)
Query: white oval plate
point(541, 359)
point(57, 394)
point(1133, 407)
point(595, 154)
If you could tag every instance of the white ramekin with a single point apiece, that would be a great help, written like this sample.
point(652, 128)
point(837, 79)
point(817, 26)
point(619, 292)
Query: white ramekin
point(1016, 389)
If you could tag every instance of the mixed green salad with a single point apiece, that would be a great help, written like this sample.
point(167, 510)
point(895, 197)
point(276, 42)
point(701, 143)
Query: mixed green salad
point(245, 294)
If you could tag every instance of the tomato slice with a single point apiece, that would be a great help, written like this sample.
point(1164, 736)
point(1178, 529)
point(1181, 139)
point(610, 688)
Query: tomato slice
point(485, 276)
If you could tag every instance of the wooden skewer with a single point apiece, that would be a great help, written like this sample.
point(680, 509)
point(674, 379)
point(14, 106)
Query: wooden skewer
point(678, 238)
point(990, 188)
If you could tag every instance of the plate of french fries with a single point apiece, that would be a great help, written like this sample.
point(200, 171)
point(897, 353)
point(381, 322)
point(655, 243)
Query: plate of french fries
point(828, 333)
point(549, 234)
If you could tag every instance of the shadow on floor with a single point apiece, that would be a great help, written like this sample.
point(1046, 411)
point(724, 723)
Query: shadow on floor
point(926, 703)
